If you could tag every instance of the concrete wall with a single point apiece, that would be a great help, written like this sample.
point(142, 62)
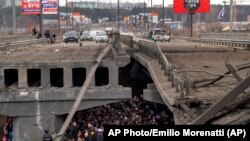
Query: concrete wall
point(32, 128)
point(57, 102)
point(113, 66)
point(152, 94)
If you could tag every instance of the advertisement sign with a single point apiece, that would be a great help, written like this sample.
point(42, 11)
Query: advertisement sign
point(31, 7)
point(49, 6)
point(191, 6)
point(76, 17)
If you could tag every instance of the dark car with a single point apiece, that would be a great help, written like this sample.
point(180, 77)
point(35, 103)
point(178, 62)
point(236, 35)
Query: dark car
point(85, 36)
point(71, 36)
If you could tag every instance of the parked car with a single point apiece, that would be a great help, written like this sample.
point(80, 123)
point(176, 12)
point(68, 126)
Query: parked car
point(71, 36)
point(101, 37)
point(93, 33)
point(85, 36)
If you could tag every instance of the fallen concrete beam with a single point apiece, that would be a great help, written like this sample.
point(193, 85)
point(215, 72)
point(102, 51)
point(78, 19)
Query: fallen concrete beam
point(221, 103)
point(233, 70)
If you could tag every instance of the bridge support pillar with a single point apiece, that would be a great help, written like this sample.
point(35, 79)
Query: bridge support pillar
point(67, 77)
point(45, 77)
point(32, 128)
point(22, 77)
point(1, 78)
point(248, 46)
point(113, 74)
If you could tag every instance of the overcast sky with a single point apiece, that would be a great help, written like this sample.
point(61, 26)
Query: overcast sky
point(62, 2)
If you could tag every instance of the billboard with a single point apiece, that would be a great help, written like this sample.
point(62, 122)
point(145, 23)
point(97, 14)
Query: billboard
point(49, 6)
point(31, 7)
point(76, 17)
point(193, 6)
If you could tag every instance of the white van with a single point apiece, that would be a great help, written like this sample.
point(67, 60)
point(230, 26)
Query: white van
point(92, 34)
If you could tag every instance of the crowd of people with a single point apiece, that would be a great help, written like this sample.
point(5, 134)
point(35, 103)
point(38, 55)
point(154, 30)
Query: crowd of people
point(51, 38)
point(8, 130)
point(88, 125)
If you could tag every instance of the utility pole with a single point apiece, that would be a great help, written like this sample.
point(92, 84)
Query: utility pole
point(67, 15)
point(234, 11)
point(144, 16)
point(148, 19)
point(189, 13)
point(191, 28)
point(151, 12)
point(163, 13)
point(13, 3)
point(231, 15)
point(118, 13)
point(2, 19)
point(241, 19)
point(139, 19)
point(71, 16)
point(58, 14)
point(40, 17)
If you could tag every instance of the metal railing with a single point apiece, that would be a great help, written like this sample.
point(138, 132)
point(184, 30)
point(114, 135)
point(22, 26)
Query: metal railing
point(176, 77)
point(226, 36)
point(16, 37)
point(13, 45)
point(224, 39)
point(20, 44)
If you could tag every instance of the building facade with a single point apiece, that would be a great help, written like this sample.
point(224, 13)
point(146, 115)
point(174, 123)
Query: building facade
point(7, 3)
point(108, 5)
